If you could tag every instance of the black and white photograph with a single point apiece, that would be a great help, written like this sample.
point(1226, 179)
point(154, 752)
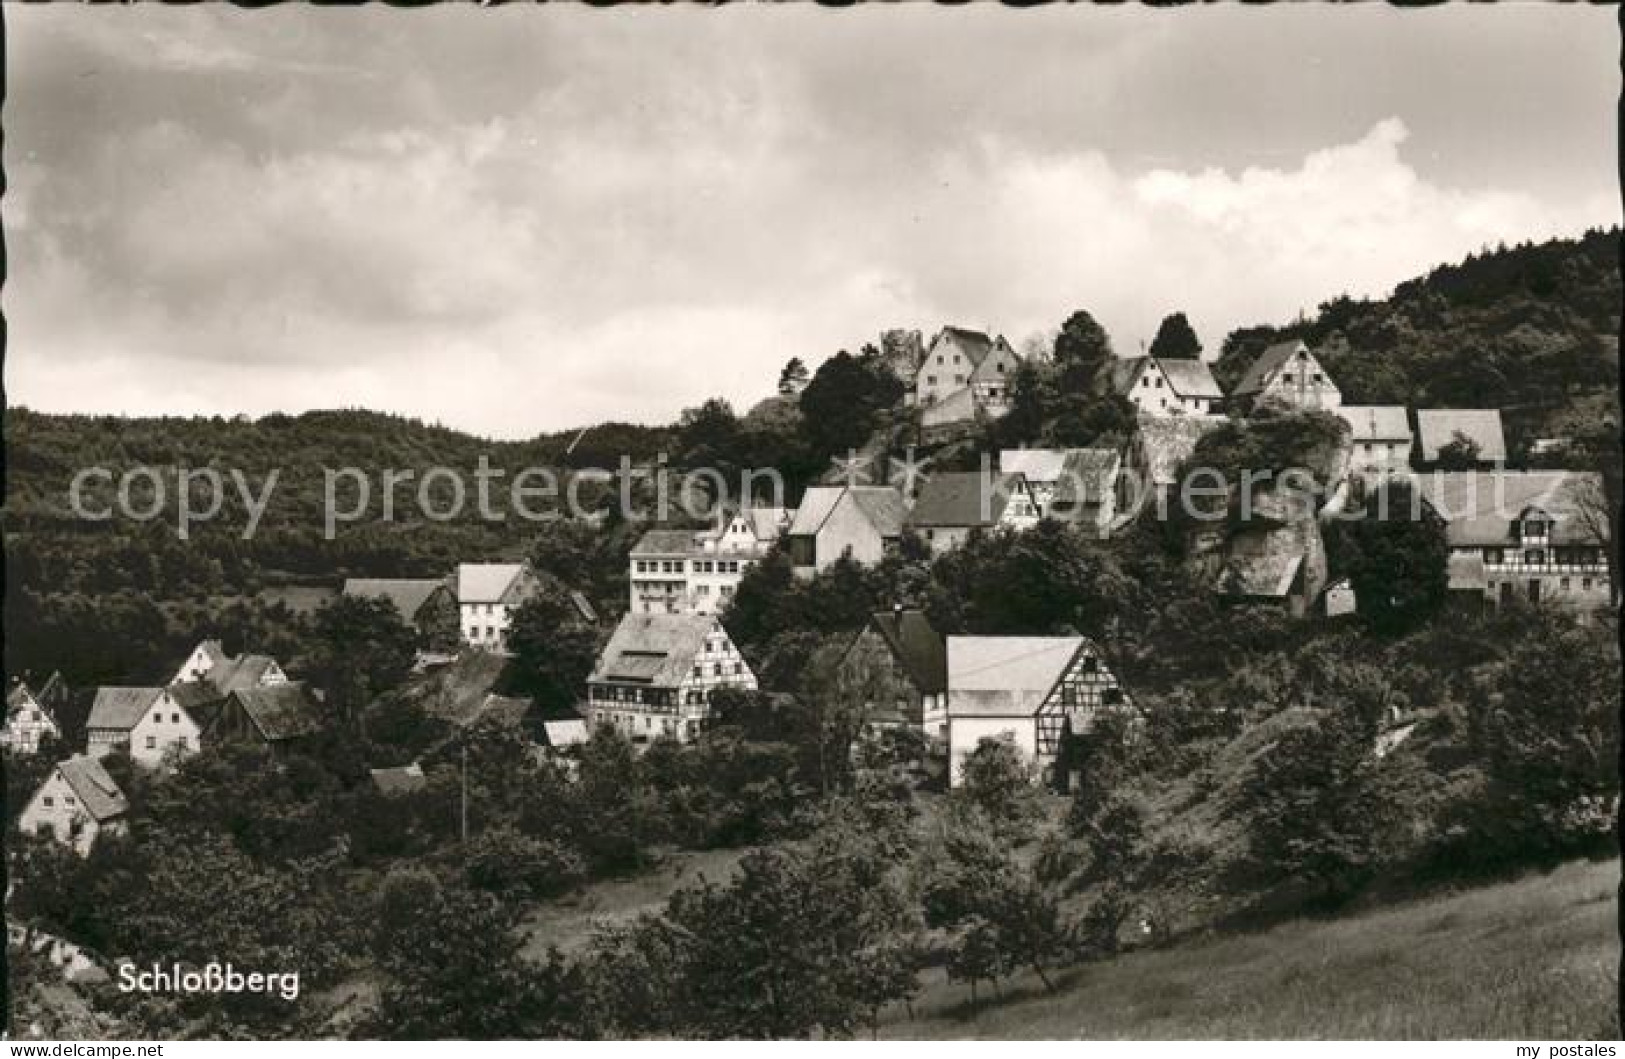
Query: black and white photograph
point(775, 522)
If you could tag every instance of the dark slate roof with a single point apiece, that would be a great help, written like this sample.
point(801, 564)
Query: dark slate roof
point(654, 649)
point(282, 711)
point(402, 779)
point(1480, 507)
point(1119, 374)
point(918, 647)
point(964, 498)
point(1190, 378)
point(1087, 477)
point(407, 593)
point(1263, 576)
point(1258, 375)
point(94, 788)
point(976, 344)
point(1438, 427)
point(196, 695)
point(666, 542)
point(234, 674)
point(120, 708)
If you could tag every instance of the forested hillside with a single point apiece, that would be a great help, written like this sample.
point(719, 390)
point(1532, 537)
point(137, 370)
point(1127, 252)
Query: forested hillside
point(1531, 329)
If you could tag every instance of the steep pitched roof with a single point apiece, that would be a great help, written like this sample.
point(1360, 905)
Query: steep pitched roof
point(20, 698)
point(244, 671)
point(407, 593)
point(196, 696)
point(1120, 374)
point(1267, 364)
point(768, 522)
point(1088, 477)
point(1480, 507)
point(282, 711)
point(120, 708)
point(1038, 465)
point(816, 504)
point(1264, 575)
point(916, 645)
point(402, 779)
point(1375, 422)
point(1190, 378)
point(975, 344)
point(654, 649)
point(964, 498)
point(1165, 442)
point(883, 506)
point(999, 354)
point(1006, 676)
point(486, 582)
point(1437, 427)
point(94, 788)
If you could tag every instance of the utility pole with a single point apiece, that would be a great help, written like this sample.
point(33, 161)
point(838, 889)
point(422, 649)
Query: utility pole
point(465, 795)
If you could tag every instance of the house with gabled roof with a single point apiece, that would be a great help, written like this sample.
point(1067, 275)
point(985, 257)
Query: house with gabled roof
point(77, 802)
point(1438, 428)
point(860, 522)
point(697, 571)
point(204, 657)
point(487, 596)
point(1290, 375)
point(1535, 536)
point(898, 666)
point(1163, 385)
point(148, 722)
point(277, 716)
point(1379, 438)
point(656, 675)
point(28, 722)
point(963, 373)
point(1031, 690)
point(951, 505)
point(427, 604)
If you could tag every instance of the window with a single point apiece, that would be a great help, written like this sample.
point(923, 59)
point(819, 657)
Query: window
point(1159, 382)
point(716, 669)
point(152, 742)
point(1585, 583)
point(1534, 557)
point(1112, 697)
point(49, 801)
point(1494, 556)
point(67, 799)
point(931, 380)
point(157, 718)
point(34, 715)
point(175, 718)
point(1287, 377)
point(1316, 377)
point(939, 361)
point(1091, 664)
point(1564, 584)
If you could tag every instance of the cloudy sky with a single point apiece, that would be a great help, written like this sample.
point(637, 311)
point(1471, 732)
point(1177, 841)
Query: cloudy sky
point(520, 220)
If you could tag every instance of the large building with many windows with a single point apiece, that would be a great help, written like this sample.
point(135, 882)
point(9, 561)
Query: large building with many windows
point(673, 571)
point(656, 675)
point(1531, 536)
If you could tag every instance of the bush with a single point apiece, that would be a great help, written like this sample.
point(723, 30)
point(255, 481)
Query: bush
point(503, 860)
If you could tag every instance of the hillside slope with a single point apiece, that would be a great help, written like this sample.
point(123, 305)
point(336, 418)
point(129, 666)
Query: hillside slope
point(1534, 959)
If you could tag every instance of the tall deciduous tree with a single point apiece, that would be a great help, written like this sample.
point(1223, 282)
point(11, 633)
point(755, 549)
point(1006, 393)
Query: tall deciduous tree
point(1082, 348)
point(362, 648)
point(1176, 339)
point(1396, 559)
